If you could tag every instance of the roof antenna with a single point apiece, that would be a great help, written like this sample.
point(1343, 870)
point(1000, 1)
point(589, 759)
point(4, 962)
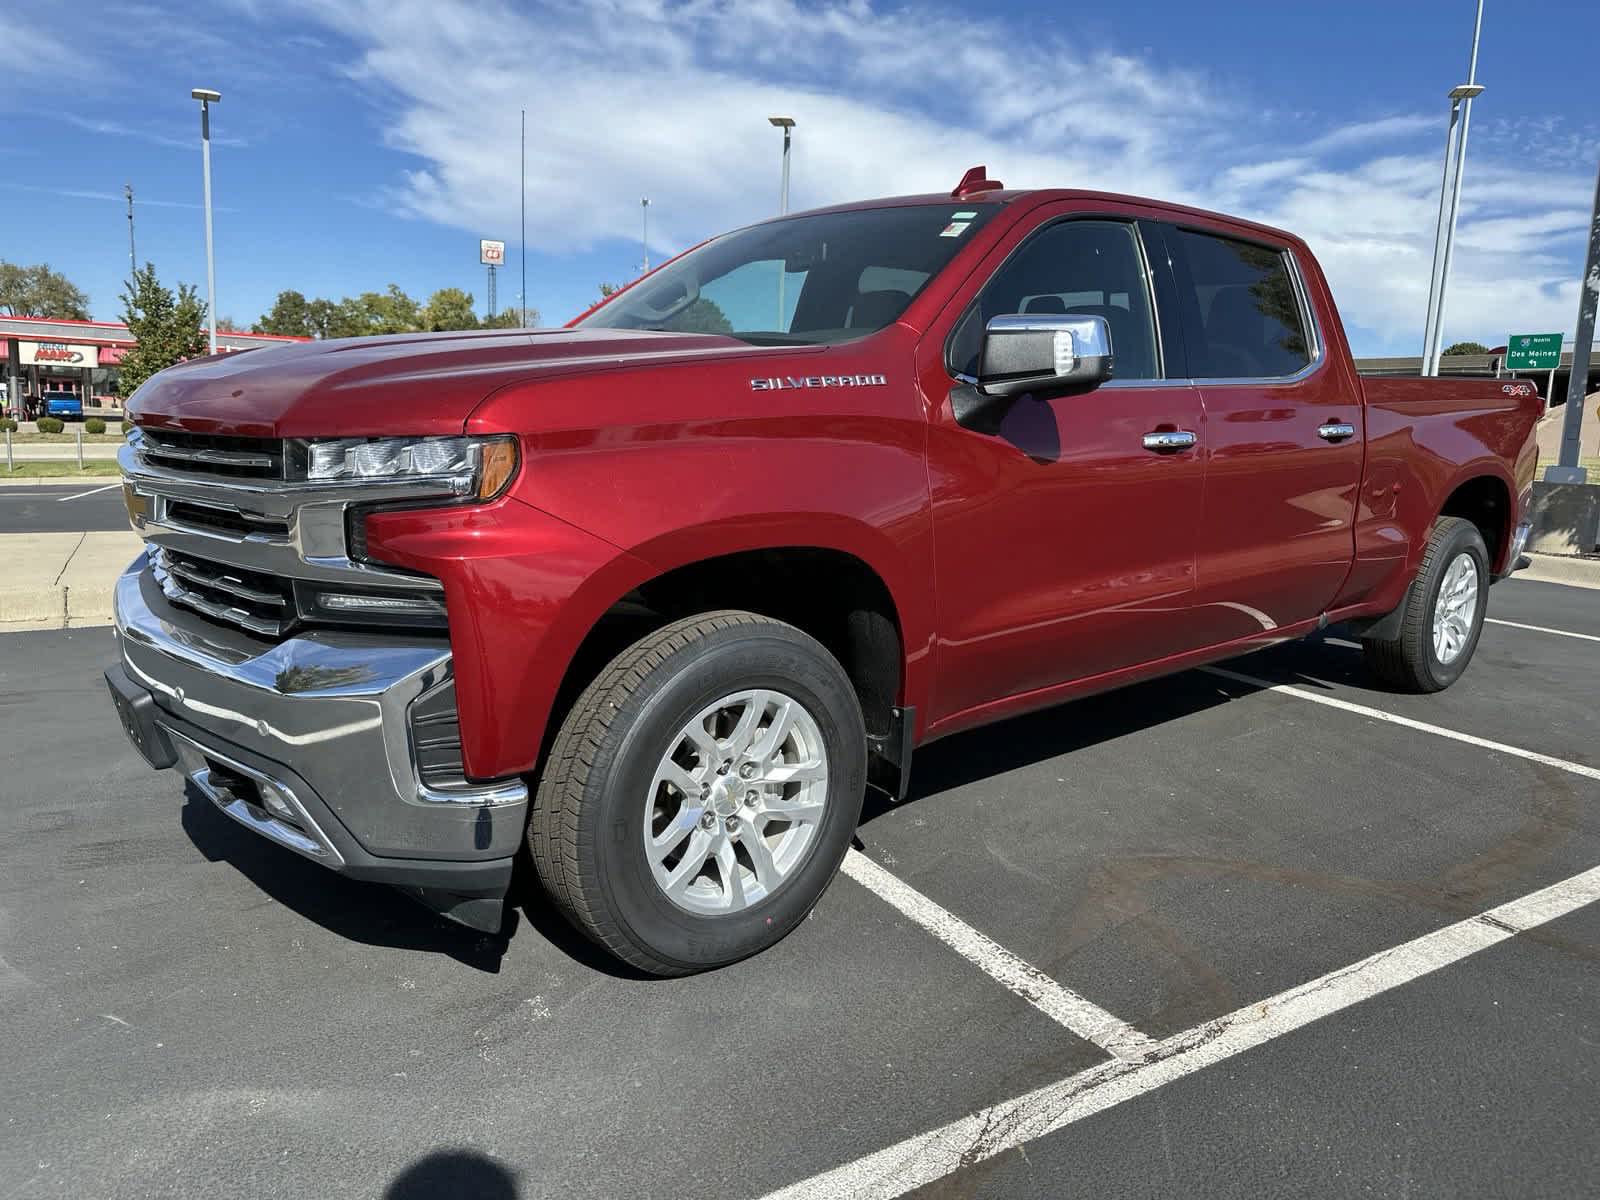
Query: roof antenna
point(976, 180)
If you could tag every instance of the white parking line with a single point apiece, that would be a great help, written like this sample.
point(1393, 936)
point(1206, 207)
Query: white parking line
point(1587, 637)
point(1083, 1017)
point(940, 1152)
point(1377, 714)
point(90, 492)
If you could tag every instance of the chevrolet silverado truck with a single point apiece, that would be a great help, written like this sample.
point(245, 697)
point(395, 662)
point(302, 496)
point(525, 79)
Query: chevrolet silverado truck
point(656, 596)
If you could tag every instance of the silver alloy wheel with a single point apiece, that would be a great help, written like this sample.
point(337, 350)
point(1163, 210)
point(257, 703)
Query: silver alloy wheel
point(736, 802)
point(1455, 608)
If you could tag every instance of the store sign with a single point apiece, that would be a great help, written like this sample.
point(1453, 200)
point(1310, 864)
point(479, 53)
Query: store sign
point(59, 354)
point(491, 254)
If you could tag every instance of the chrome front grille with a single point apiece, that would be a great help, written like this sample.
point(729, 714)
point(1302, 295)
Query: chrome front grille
point(237, 457)
point(260, 603)
point(192, 514)
point(267, 554)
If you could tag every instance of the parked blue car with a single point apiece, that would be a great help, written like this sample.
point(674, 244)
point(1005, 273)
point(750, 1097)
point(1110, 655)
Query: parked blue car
point(66, 405)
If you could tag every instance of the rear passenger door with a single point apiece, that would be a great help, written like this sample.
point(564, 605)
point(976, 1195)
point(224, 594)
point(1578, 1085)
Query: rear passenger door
point(1284, 436)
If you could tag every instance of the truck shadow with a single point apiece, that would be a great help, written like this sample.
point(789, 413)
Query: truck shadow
point(979, 754)
point(363, 912)
point(379, 916)
point(1313, 663)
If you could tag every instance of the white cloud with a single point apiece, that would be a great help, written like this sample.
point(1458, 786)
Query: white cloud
point(669, 98)
point(1381, 130)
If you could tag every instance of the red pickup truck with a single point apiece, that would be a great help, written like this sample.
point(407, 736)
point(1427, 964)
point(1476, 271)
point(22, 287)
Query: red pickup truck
point(658, 595)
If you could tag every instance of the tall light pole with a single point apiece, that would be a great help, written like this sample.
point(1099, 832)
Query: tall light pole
point(644, 231)
point(133, 260)
point(787, 125)
point(1455, 161)
point(207, 98)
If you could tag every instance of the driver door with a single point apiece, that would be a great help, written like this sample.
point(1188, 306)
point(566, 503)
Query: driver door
point(1065, 549)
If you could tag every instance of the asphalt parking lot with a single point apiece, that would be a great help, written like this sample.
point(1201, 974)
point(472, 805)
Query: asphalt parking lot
point(93, 503)
point(1266, 931)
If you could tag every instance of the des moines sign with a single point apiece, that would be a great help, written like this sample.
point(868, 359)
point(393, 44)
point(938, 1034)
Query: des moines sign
point(59, 354)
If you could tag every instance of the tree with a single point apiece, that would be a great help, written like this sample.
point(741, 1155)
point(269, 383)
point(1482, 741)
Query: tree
point(703, 316)
point(321, 316)
point(290, 314)
point(1466, 348)
point(449, 308)
point(388, 311)
point(513, 318)
point(167, 328)
point(607, 289)
point(40, 292)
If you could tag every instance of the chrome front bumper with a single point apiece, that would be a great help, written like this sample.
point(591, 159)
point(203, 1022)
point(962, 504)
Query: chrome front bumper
point(308, 742)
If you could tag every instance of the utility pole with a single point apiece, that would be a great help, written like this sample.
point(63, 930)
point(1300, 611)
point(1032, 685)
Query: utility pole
point(133, 259)
point(644, 231)
point(1578, 382)
point(1461, 98)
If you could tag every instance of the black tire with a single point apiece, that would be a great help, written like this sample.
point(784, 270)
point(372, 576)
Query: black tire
point(1407, 661)
point(585, 830)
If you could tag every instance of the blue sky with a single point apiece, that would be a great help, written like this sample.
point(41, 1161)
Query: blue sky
point(363, 142)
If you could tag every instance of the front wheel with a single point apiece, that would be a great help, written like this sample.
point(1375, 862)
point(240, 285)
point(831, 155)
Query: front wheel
point(1442, 616)
point(702, 792)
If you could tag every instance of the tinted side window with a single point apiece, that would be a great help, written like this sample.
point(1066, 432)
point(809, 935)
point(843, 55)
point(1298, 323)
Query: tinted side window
point(1080, 267)
point(1251, 325)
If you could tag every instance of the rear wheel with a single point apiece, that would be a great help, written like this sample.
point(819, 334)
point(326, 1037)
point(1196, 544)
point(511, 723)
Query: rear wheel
point(701, 793)
point(1442, 616)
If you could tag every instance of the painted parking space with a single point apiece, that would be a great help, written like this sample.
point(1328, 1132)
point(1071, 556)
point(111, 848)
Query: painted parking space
point(1202, 844)
point(1526, 687)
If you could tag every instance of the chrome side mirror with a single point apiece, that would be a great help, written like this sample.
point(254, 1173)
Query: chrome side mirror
point(1044, 353)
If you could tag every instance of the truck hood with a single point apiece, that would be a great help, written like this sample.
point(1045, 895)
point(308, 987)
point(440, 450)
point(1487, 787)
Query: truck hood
point(410, 384)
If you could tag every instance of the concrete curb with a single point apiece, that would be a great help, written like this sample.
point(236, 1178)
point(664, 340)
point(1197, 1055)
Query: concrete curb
point(62, 580)
point(1558, 568)
point(60, 607)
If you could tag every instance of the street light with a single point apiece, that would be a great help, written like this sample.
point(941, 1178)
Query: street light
point(1460, 97)
point(207, 98)
point(644, 232)
point(786, 124)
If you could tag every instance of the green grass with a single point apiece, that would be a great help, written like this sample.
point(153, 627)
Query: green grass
point(69, 467)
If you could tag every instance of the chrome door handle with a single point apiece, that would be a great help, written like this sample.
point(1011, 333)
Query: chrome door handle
point(1171, 439)
point(1336, 431)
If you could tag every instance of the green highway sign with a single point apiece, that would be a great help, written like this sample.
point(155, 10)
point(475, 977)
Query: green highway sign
point(1533, 352)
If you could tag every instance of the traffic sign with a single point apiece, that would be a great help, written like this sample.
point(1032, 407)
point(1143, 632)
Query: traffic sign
point(1533, 352)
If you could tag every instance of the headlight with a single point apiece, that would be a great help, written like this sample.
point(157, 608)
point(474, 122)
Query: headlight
point(476, 466)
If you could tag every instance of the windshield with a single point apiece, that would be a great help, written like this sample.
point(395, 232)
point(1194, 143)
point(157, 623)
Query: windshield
point(825, 278)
